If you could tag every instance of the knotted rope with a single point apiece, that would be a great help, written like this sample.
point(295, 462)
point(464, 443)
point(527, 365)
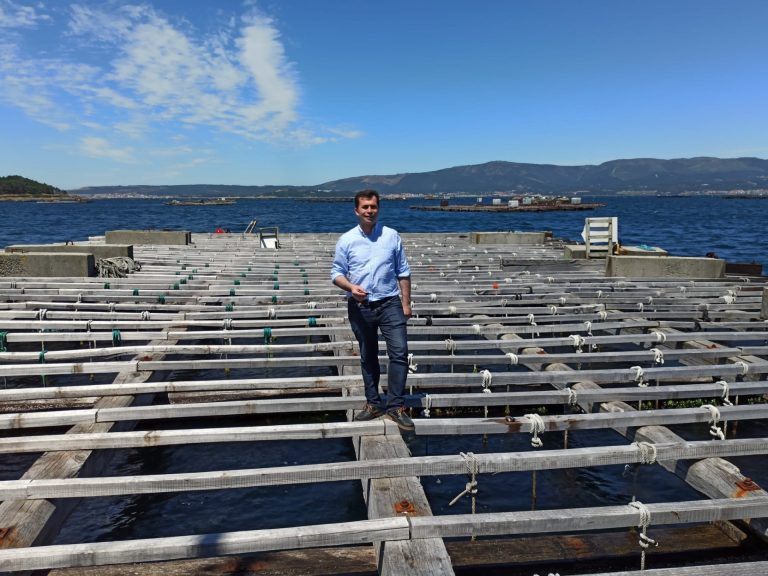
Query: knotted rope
point(513, 359)
point(714, 419)
point(117, 267)
point(726, 391)
point(661, 337)
point(427, 405)
point(450, 345)
point(638, 376)
point(311, 304)
point(470, 487)
point(412, 366)
point(648, 452)
point(645, 521)
point(537, 427)
point(145, 315)
point(658, 356)
point(603, 315)
point(572, 400)
point(578, 342)
point(744, 367)
point(552, 309)
point(433, 297)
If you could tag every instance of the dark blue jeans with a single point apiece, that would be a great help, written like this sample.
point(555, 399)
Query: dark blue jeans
point(366, 319)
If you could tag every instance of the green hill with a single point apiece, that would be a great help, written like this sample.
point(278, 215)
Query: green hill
point(20, 188)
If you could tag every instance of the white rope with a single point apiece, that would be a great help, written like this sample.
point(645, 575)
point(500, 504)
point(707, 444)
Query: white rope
point(227, 323)
point(661, 337)
point(111, 306)
point(638, 375)
point(563, 300)
point(442, 274)
point(476, 328)
point(531, 319)
point(588, 327)
point(602, 314)
point(487, 379)
point(599, 294)
point(80, 297)
point(683, 289)
point(412, 366)
point(311, 304)
point(650, 299)
point(550, 279)
point(145, 315)
point(452, 309)
point(648, 452)
point(117, 267)
point(578, 342)
point(572, 400)
point(744, 367)
point(470, 488)
point(714, 420)
point(433, 297)
point(728, 298)
point(645, 521)
point(552, 309)
point(537, 427)
point(427, 406)
point(450, 345)
point(42, 313)
point(658, 356)
point(271, 312)
point(513, 359)
point(726, 391)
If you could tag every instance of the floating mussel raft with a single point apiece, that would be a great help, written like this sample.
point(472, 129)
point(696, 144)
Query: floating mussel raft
point(506, 340)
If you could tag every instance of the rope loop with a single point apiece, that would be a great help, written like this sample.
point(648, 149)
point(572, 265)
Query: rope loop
point(648, 452)
point(563, 300)
point(473, 467)
point(227, 323)
point(714, 419)
point(588, 327)
point(578, 342)
point(117, 338)
point(433, 297)
point(572, 400)
point(726, 391)
point(487, 379)
point(271, 313)
point(513, 359)
point(552, 309)
point(743, 366)
point(531, 319)
point(603, 315)
point(312, 305)
point(145, 315)
point(267, 332)
point(599, 294)
point(537, 427)
point(412, 366)
point(450, 345)
point(477, 328)
point(658, 356)
point(427, 406)
point(645, 520)
point(452, 310)
point(3, 341)
point(661, 337)
point(638, 374)
point(42, 313)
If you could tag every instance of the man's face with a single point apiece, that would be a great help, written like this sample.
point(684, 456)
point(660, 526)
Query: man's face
point(367, 210)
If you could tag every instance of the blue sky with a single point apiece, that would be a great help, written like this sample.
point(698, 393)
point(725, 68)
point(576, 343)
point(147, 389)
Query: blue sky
point(307, 91)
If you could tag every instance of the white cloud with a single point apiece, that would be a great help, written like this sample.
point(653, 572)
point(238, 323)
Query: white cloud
point(136, 73)
point(102, 148)
point(16, 15)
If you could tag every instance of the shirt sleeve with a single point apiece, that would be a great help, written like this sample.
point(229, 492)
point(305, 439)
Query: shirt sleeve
point(402, 269)
point(340, 266)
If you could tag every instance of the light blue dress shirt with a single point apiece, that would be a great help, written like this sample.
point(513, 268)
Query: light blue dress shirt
point(374, 262)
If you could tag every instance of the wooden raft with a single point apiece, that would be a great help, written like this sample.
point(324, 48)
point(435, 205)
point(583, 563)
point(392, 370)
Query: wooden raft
point(490, 344)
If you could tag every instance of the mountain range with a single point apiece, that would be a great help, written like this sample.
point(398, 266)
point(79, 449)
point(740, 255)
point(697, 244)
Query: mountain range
point(639, 175)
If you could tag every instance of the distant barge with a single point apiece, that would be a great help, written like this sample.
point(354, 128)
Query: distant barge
point(203, 202)
point(542, 207)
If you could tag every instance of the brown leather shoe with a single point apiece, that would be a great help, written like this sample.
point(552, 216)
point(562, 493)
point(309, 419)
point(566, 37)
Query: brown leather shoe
point(370, 412)
point(399, 417)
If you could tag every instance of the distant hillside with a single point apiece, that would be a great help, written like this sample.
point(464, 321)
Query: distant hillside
point(18, 187)
point(640, 174)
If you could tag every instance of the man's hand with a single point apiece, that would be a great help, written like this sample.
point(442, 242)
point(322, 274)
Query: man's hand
point(358, 292)
point(407, 309)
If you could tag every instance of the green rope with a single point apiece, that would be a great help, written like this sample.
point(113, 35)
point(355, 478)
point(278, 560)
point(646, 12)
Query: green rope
point(161, 299)
point(267, 335)
point(135, 291)
point(274, 299)
point(249, 268)
point(3, 341)
point(273, 277)
point(183, 266)
point(190, 277)
point(194, 270)
point(242, 274)
point(277, 266)
point(295, 262)
point(117, 338)
point(232, 292)
point(305, 282)
point(177, 273)
point(311, 321)
point(106, 285)
point(175, 285)
point(229, 307)
point(306, 291)
point(236, 282)
point(41, 358)
point(183, 280)
point(276, 286)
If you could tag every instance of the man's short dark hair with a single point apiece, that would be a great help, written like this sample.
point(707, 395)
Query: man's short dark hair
point(367, 194)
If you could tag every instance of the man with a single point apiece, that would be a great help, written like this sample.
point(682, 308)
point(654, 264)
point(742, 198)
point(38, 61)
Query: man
point(370, 264)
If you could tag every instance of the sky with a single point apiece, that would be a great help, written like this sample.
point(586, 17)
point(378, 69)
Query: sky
point(301, 92)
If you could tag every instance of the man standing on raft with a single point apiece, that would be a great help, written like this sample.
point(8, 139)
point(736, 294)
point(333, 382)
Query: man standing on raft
point(370, 264)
